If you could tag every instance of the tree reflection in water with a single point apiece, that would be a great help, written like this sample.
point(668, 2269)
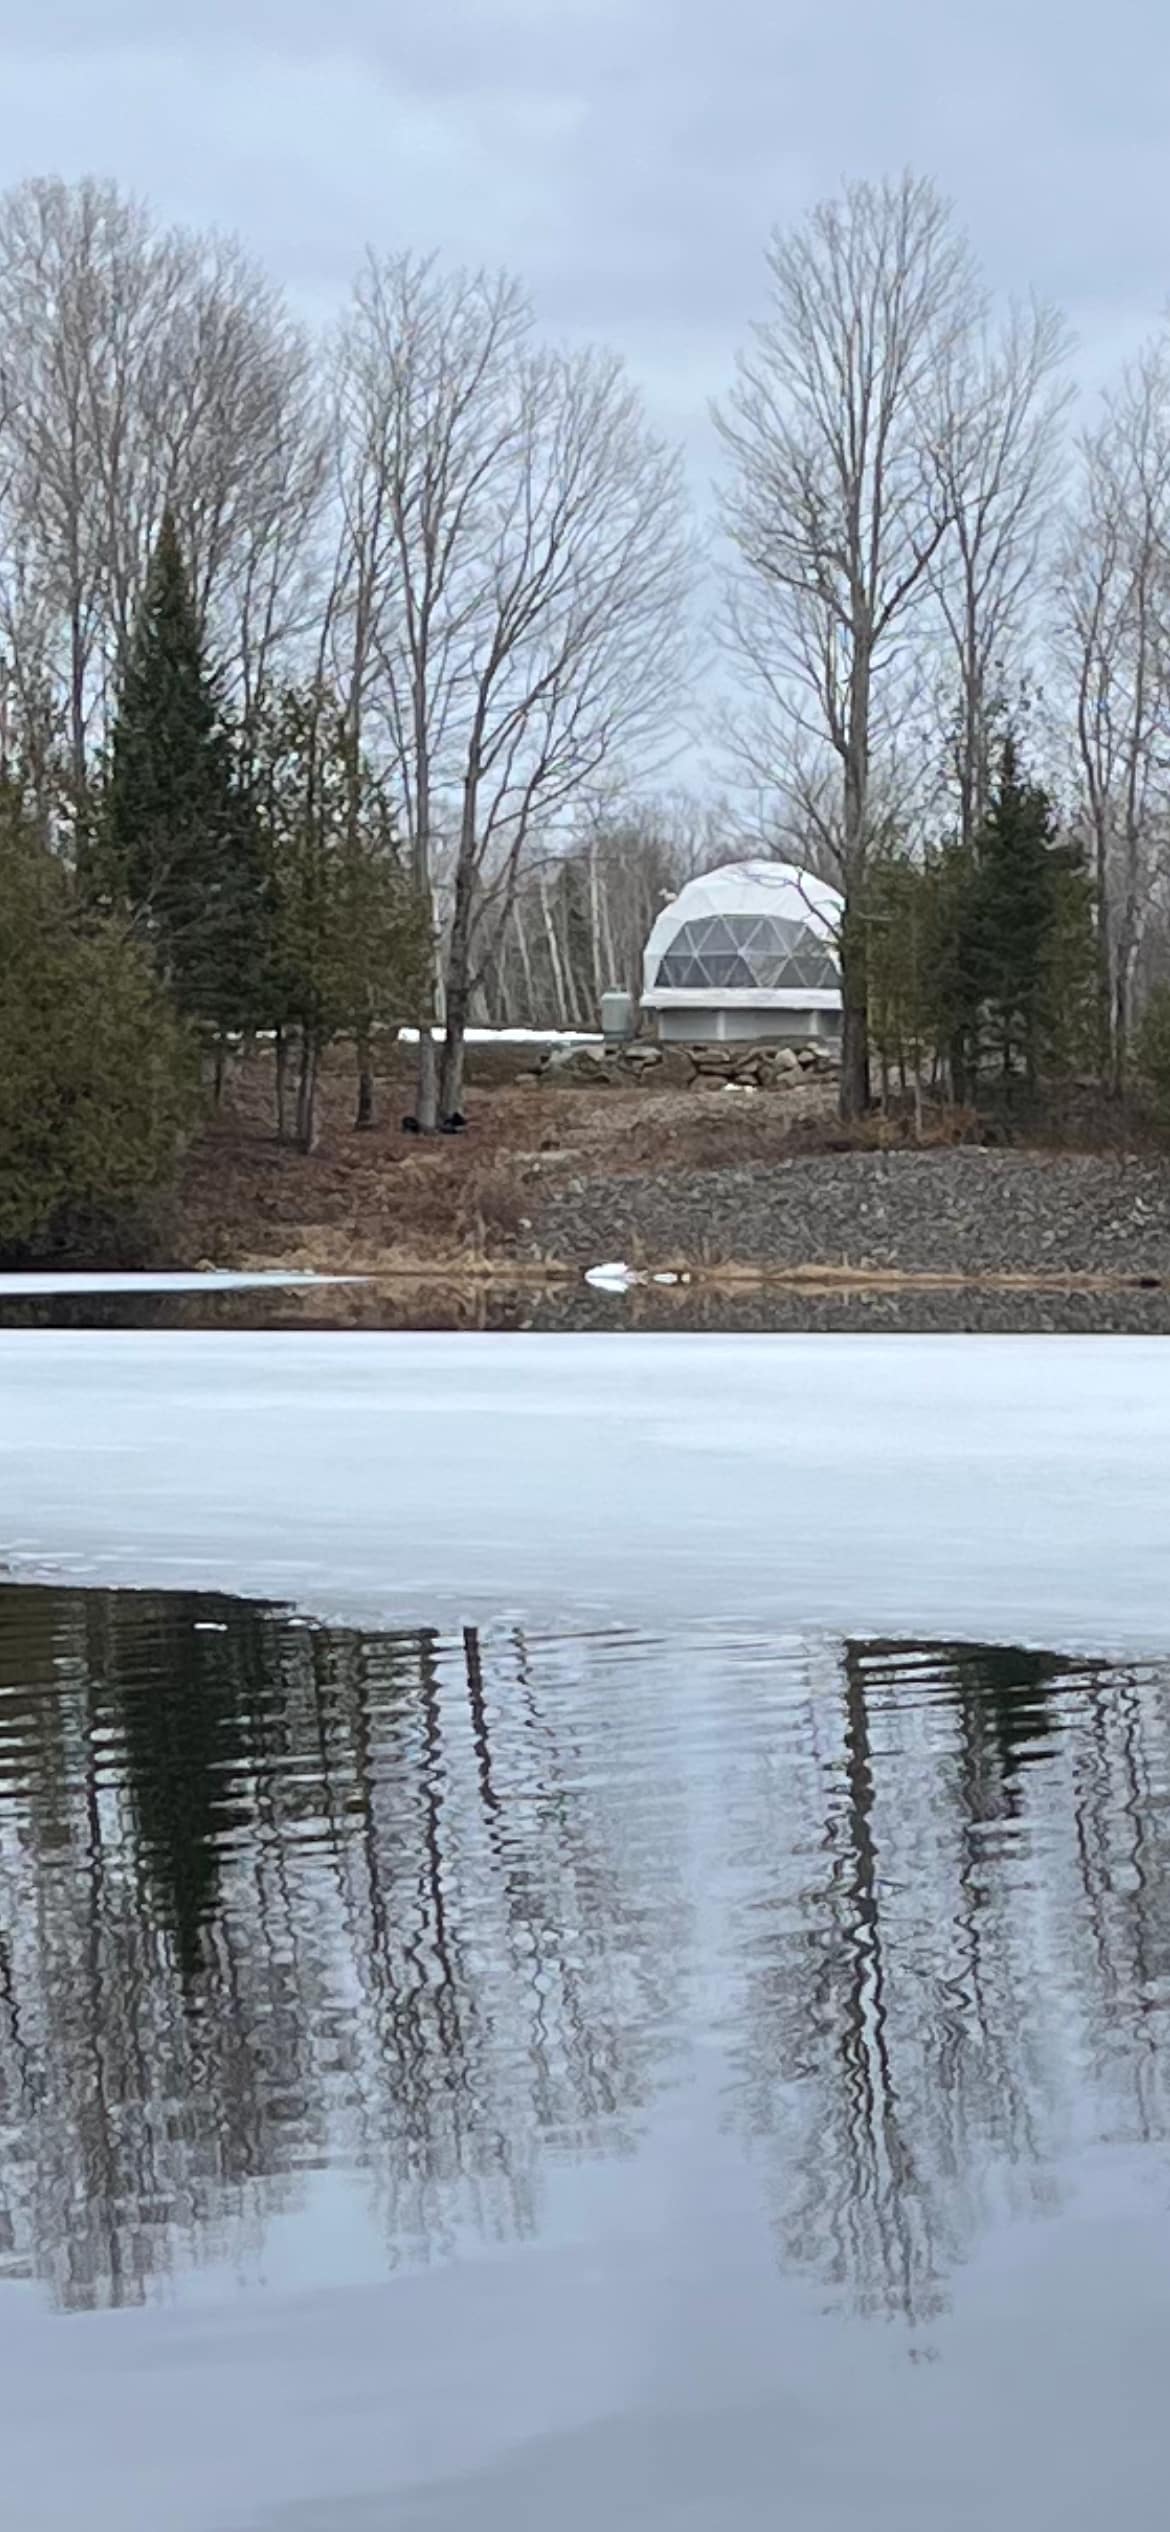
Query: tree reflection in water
point(446, 1913)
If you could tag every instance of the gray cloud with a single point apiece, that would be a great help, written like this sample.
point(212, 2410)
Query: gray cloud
point(627, 156)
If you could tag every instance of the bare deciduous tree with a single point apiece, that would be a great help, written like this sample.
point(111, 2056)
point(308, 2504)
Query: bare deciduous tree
point(999, 456)
point(422, 414)
point(527, 560)
point(581, 916)
point(837, 503)
point(1113, 598)
point(144, 369)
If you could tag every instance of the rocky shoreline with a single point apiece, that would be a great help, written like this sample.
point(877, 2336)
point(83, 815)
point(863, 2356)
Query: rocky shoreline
point(954, 1212)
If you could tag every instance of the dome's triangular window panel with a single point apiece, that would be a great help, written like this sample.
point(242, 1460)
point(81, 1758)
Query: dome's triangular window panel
point(721, 937)
point(742, 929)
point(729, 972)
point(767, 934)
point(814, 968)
point(678, 972)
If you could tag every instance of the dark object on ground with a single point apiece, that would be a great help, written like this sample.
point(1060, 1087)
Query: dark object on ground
point(454, 1124)
point(410, 1125)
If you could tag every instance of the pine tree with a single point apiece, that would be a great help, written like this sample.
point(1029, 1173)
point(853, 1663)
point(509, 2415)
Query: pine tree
point(181, 849)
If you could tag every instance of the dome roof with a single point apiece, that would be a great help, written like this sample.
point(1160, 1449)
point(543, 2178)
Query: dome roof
point(750, 931)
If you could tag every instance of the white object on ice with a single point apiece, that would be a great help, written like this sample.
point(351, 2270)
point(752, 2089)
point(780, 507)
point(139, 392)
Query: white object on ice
point(615, 1277)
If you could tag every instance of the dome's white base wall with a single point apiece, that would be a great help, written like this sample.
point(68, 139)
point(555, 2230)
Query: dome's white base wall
point(764, 1020)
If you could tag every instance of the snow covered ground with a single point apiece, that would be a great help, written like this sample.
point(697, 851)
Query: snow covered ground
point(513, 1037)
point(1011, 1489)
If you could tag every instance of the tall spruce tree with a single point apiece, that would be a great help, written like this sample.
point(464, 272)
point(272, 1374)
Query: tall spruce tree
point(181, 844)
point(1024, 928)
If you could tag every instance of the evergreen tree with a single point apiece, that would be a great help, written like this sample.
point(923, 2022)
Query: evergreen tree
point(1024, 930)
point(350, 938)
point(181, 849)
point(97, 1094)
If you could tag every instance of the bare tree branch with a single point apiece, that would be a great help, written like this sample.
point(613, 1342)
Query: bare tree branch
point(838, 499)
point(520, 537)
point(1113, 643)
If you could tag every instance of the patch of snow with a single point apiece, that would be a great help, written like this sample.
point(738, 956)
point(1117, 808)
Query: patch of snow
point(1003, 1489)
point(513, 1037)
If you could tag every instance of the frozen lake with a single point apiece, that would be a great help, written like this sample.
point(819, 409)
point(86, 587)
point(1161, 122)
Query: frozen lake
point(998, 1488)
point(584, 1932)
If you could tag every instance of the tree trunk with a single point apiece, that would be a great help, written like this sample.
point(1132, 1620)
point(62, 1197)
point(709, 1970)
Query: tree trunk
point(1121, 1013)
point(458, 991)
point(595, 929)
point(365, 1116)
point(1108, 1050)
point(451, 1078)
point(560, 992)
point(307, 1092)
point(281, 1086)
point(451, 1074)
point(855, 1092)
point(855, 1086)
point(426, 1104)
point(426, 1097)
point(525, 962)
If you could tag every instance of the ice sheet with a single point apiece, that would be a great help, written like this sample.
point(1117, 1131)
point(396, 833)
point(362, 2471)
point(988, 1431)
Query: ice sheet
point(1008, 1488)
point(216, 1279)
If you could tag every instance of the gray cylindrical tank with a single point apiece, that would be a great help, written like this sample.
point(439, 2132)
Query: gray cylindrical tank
point(619, 1018)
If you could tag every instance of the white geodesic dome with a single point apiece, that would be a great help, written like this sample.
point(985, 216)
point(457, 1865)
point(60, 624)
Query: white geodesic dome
point(753, 932)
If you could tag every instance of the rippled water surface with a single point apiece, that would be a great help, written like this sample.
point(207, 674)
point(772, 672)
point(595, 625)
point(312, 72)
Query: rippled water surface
point(502, 2080)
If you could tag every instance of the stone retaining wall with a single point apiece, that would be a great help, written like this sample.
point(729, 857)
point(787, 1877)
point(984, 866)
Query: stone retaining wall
point(742, 1067)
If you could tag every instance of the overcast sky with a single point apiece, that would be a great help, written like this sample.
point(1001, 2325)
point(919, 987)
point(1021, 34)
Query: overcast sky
point(628, 157)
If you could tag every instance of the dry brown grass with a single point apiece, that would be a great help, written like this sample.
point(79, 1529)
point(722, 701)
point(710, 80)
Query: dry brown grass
point(383, 1194)
point(383, 1198)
